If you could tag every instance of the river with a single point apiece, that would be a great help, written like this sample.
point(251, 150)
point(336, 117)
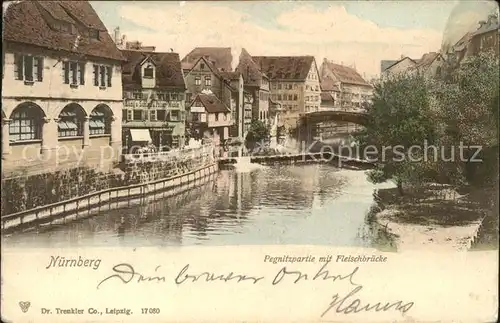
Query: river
point(308, 204)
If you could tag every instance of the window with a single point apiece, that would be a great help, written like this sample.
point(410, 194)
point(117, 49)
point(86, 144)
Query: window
point(98, 123)
point(74, 72)
point(137, 95)
point(216, 117)
point(225, 116)
point(130, 114)
point(279, 86)
point(28, 68)
point(148, 72)
point(174, 96)
point(208, 81)
point(103, 75)
point(160, 115)
point(273, 85)
point(94, 34)
point(279, 97)
point(295, 97)
point(202, 66)
point(137, 114)
point(25, 123)
point(174, 115)
point(290, 97)
point(70, 122)
point(160, 96)
point(188, 97)
point(152, 115)
point(197, 80)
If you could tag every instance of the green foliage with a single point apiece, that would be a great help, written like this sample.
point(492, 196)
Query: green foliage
point(453, 112)
point(400, 116)
point(257, 133)
point(467, 114)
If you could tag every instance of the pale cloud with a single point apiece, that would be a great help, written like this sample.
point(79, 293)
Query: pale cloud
point(331, 33)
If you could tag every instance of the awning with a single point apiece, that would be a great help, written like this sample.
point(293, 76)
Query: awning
point(140, 135)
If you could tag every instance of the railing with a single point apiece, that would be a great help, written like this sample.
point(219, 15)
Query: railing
point(108, 195)
point(207, 150)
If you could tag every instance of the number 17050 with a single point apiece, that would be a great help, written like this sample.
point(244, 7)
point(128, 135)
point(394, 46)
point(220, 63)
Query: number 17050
point(150, 310)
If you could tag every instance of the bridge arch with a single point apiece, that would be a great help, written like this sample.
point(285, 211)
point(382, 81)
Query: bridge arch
point(307, 123)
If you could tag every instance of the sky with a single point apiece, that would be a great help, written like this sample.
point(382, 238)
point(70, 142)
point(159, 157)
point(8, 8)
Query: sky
point(354, 33)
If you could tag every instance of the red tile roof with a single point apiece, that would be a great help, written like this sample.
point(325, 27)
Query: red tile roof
point(231, 76)
point(168, 69)
point(221, 56)
point(327, 84)
point(345, 74)
point(427, 59)
point(251, 71)
point(327, 98)
point(33, 23)
point(211, 103)
point(293, 68)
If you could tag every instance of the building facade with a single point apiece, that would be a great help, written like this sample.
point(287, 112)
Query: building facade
point(211, 118)
point(401, 66)
point(294, 85)
point(349, 89)
point(257, 85)
point(209, 70)
point(62, 84)
point(431, 65)
point(154, 100)
point(486, 37)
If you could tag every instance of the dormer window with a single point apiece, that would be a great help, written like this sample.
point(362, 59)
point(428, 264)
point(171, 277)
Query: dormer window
point(94, 34)
point(148, 71)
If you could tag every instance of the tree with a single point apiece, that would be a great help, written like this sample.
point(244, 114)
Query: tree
point(398, 118)
point(257, 133)
point(468, 116)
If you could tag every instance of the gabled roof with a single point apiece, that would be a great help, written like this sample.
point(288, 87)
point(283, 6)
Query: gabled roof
point(427, 59)
point(293, 68)
point(251, 71)
point(211, 103)
point(168, 69)
point(221, 56)
point(490, 25)
point(230, 76)
point(327, 98)
point(385, 64)
point(402, 59)
point(327, 84)
point(462, 43)
point(345, 74)
point(34, 23)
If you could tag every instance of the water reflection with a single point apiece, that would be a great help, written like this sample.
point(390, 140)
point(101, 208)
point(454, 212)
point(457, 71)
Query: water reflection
point(311, 204)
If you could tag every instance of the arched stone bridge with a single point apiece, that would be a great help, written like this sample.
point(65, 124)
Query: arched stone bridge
point(358, 117)
point(306, 125)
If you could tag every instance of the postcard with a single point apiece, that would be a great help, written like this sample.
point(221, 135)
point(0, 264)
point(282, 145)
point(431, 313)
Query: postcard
point(250, 161)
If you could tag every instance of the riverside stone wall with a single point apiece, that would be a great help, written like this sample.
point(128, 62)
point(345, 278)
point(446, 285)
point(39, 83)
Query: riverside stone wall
point(28, 192)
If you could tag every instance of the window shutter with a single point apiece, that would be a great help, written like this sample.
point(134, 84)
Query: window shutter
point(96, 75)
point(109, 71)
point(19, 67)
point(130, 115)
point(40, 69)
point(65, 66)
point(82, 73)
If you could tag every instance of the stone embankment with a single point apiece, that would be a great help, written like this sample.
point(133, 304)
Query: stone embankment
point(29, 200)
point(435, 217)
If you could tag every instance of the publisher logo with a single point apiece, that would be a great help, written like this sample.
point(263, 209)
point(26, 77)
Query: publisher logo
point(25, 306)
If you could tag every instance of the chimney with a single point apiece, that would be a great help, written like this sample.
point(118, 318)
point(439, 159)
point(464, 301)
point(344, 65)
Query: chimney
point(493, 20)
point(402, 56)
point(117, 35)
point(482, 23)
